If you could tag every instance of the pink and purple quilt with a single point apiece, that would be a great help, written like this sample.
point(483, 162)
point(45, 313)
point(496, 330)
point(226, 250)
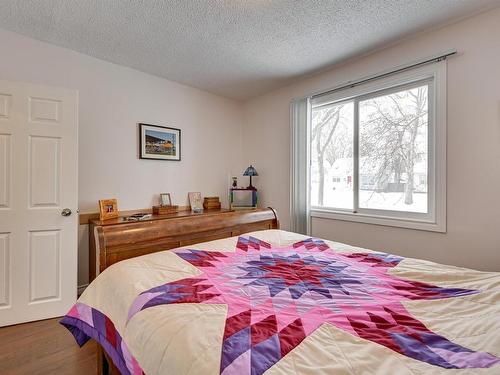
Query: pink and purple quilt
point(277, 296)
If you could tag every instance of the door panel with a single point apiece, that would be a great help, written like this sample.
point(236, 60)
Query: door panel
point(39, 172)
point(44, 110)
point(45, 170)
point(4, 171)
point(45, 268)
point(5, 104)
point(4, 270)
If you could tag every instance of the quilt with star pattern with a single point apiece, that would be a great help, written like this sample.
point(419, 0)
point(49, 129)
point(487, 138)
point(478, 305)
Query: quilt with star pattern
point(275, 302)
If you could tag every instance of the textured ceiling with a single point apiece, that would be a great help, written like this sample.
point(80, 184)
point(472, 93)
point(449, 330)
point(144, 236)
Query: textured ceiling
point(235, 48)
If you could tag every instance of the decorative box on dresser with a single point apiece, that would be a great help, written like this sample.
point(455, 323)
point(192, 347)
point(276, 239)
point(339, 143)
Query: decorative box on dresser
point(117, 239)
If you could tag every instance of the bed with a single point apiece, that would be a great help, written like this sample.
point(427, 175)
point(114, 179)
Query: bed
point(277, 302)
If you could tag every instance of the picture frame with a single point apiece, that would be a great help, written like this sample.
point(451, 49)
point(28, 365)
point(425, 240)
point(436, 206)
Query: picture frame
point(195, 201)
point(159, 142)
point(108, 209)
point(165, 199)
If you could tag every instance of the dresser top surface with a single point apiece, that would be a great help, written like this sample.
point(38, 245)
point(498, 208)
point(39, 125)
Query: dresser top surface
point(176, 215)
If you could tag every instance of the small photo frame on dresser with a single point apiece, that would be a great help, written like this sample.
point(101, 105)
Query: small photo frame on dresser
point(195, 201)
point(165, 199)
point(108, 209)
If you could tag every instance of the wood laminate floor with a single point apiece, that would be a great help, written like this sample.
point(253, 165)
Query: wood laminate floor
point(44, 347)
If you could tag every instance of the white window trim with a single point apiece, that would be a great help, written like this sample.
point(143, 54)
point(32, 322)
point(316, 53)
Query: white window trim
point(437, 152)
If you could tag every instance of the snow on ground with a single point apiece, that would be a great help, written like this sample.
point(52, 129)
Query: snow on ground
point(335, 197)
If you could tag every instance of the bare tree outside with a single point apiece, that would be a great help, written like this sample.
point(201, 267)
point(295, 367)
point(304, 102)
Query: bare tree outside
point(331, 141)
point(393, 152)
point(393, 141)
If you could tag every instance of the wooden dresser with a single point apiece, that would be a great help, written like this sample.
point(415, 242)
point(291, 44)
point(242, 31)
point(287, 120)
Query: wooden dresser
point(118, 239)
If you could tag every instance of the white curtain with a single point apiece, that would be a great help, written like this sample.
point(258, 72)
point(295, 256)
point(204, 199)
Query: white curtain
point(299, 166)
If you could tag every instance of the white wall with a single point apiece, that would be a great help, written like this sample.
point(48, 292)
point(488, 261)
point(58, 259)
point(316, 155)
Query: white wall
point(113, 99)
point(473, 236)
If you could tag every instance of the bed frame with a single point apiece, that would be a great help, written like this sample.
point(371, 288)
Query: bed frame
point(113, 241)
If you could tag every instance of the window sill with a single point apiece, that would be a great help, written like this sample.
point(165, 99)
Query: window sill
point(380, 220)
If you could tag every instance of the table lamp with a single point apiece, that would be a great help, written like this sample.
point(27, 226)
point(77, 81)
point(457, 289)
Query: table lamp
point(250, 171)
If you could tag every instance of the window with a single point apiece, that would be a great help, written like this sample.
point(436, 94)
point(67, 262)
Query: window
point(332, 155)
point(377, 151)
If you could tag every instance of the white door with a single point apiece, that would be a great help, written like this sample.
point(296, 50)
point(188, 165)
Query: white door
point(38, 185)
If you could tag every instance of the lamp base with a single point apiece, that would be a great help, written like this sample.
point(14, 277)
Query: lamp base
point(251, 187)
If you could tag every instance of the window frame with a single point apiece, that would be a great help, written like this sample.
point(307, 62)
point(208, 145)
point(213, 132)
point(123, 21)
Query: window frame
point(435, 220)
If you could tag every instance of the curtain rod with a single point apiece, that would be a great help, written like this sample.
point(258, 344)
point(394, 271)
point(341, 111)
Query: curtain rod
point(399, 69)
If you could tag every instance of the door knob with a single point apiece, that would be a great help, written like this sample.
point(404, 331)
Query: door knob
point(66, 212)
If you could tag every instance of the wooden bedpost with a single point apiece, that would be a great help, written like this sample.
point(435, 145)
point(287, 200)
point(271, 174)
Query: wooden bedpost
point(100, 359)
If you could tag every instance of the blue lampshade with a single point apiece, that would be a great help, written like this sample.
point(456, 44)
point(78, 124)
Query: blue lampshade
point(250, 171)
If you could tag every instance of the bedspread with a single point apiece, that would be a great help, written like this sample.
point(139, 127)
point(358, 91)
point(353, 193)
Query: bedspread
point(276, 302)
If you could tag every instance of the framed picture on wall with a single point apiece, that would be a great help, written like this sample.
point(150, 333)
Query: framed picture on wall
point(159, 142)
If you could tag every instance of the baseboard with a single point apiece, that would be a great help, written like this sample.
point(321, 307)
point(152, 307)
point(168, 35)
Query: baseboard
point(81, 288)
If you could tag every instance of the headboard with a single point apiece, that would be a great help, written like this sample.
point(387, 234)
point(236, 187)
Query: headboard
point(111, 242)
